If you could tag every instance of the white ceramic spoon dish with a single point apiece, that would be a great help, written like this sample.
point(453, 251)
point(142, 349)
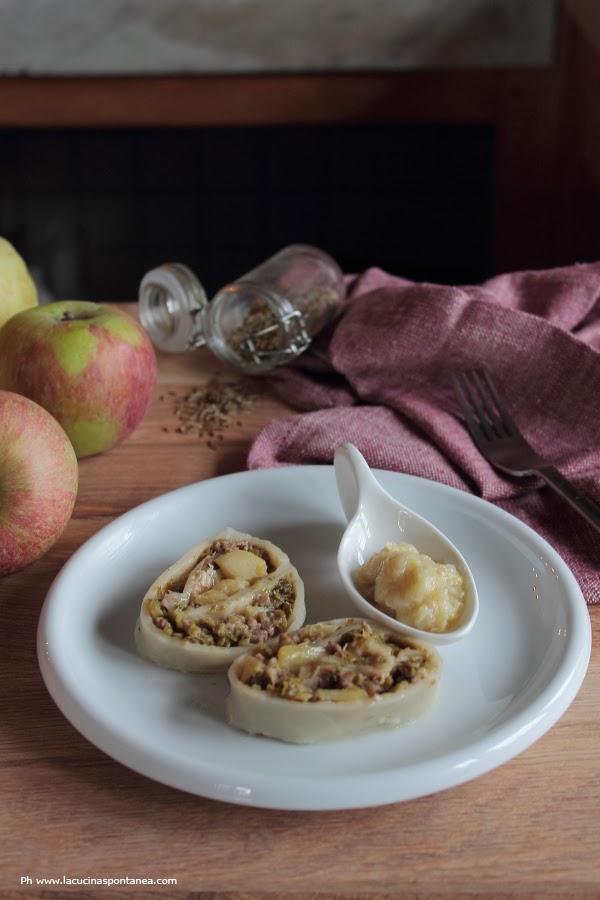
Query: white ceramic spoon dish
point(375, 519)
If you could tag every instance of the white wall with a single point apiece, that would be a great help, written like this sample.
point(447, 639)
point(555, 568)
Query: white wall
point(97, 37)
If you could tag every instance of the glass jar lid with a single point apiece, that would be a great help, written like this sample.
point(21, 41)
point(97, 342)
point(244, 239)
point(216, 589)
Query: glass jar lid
point(172, 302)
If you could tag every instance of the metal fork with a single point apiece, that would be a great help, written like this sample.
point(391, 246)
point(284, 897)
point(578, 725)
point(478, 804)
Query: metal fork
point(500, 441)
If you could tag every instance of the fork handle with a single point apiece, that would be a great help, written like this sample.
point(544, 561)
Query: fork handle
point(584, 505)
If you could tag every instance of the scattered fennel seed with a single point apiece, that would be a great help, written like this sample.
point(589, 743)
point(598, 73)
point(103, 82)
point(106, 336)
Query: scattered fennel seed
point(211, 408)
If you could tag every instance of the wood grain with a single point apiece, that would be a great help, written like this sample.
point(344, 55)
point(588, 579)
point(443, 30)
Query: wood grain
point(528, 828)
point(307, 98)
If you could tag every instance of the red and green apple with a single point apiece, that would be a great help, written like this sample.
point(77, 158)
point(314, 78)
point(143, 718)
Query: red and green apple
point(38, 481)
point(91, 365)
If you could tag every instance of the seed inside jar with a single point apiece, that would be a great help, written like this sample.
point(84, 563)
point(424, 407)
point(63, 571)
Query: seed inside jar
point(263, 331)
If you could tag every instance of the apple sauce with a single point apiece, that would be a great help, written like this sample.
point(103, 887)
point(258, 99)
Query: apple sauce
point(410, 587)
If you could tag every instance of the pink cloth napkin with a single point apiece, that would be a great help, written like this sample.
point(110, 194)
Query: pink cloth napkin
point(380, 377)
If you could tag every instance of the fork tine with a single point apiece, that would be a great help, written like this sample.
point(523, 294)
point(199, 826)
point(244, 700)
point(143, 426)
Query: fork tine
point(494, 424)
point(482, 407)
point(468, 404)
point(502, 412)
point(472, 402)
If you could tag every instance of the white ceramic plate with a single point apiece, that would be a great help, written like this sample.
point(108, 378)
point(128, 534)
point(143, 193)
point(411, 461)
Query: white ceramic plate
point(503, 686)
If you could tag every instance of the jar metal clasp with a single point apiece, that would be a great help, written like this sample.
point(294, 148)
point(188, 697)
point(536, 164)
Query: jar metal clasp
point(298, 339)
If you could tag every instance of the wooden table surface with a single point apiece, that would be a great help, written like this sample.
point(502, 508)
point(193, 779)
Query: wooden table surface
point(528, 828)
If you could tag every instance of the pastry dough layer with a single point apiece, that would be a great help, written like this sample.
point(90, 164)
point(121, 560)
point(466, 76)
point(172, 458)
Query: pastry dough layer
point(198, 617)
point(331, 680)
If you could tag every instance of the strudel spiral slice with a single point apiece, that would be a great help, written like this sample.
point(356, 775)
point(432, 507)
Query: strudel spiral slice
point(225, 594)
point(331, 680)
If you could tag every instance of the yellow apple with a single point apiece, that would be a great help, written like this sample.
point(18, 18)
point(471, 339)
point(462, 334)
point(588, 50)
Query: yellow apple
point(17, 289)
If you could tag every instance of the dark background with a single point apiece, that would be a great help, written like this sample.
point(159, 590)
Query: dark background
point(91, 210)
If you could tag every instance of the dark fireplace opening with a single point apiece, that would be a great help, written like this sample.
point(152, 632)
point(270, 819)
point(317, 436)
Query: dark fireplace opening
point(91, 210)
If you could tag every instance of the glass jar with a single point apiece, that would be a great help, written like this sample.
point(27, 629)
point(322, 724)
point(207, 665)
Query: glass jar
point(264, 319)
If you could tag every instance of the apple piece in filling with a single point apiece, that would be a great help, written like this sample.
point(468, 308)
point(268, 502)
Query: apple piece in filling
point(224, 595)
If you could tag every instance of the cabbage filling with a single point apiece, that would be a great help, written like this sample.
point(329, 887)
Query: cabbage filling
point(199, 608)
point(350, 662)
